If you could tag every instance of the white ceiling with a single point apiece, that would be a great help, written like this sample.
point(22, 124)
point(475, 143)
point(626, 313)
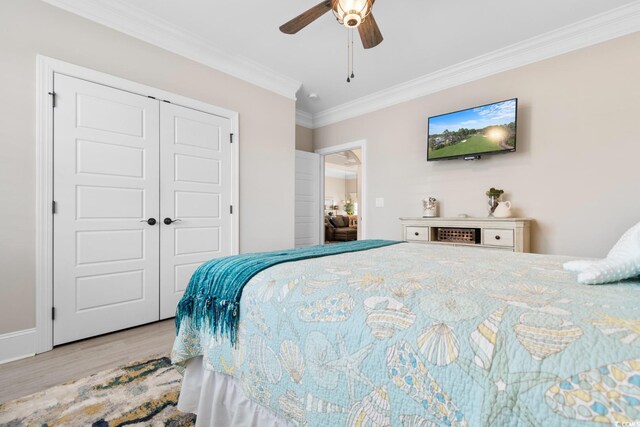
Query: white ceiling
point(349, 159)
point(421, 37)
point(335, 172)
point(342, 165)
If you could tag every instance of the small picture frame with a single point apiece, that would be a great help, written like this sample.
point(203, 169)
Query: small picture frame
point(328, 204)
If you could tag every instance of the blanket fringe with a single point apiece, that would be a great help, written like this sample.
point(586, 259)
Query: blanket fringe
point(220, 316)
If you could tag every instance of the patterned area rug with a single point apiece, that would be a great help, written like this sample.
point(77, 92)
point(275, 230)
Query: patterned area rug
point(141, 393)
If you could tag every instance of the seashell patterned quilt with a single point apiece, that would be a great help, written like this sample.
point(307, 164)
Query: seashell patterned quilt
point(425, 335)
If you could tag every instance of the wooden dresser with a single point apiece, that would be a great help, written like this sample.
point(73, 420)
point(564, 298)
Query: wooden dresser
point(497, 233)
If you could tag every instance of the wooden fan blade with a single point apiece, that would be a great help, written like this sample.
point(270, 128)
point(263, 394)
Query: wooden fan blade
point(370, 33)
point(306, 18)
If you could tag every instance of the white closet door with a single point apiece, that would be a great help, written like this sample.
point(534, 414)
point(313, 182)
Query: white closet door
point(307, 210)
point(196, 188)
point(105, 186)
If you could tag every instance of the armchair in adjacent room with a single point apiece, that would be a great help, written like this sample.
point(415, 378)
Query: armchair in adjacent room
point(342, 228)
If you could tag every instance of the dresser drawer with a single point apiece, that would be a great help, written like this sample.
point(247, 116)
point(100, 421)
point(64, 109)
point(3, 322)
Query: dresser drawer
point(417, 233)
point(497, 237)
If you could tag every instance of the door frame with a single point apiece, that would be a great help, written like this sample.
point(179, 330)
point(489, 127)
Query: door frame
point(362, 145)
point(46, 67)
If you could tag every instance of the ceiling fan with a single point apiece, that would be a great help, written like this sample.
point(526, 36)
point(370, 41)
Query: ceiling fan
point(350, 13)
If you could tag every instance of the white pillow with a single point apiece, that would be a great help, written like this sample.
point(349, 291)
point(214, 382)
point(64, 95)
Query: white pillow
point(577, 266)
point(622, 261)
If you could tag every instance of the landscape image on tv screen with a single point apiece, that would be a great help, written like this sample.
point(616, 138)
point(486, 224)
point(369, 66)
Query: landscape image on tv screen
point(481, 130)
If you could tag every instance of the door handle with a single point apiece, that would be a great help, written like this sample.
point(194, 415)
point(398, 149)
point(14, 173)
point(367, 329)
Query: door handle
point(150, 221)
point(168, 221)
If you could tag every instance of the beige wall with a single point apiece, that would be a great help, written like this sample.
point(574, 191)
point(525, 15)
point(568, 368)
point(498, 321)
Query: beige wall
point(30, 27)
point(334, 188)
point(304, 139)
point(576, 171)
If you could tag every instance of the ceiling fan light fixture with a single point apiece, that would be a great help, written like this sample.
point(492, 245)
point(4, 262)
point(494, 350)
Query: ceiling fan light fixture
point(351, 13)
point(351, 20)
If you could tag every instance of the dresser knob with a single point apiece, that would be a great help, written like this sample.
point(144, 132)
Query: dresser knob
point(497, 237)
point(417, 234)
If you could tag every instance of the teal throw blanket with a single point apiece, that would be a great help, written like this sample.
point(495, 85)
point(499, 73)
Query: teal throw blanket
point(213, 295)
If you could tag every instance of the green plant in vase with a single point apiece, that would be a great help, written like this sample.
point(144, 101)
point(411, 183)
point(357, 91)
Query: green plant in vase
point(494, 195)
point(348, 207)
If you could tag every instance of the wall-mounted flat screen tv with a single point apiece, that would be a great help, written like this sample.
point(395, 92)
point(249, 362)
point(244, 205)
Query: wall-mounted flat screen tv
point(470, 133)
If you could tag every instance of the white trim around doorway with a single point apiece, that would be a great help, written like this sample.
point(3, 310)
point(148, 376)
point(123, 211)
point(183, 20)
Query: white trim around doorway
point(45, 69)
point(362, 209)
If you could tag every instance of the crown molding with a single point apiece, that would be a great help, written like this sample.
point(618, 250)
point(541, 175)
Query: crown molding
point(304, 119)
point(123, 17)
point(599, 28)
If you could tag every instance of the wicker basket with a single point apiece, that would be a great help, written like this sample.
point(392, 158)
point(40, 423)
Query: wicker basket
point(463, 235)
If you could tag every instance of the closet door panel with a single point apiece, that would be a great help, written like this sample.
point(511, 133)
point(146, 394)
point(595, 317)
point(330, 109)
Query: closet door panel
point(307, 207)
point(195, 170)
point(106, 185)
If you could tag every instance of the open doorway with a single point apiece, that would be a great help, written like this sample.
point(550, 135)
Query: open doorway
point(342, 194)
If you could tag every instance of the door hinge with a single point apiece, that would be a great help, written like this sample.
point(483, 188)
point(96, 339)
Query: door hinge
point(231, 138)
point(54, 207)
point(231, 209)
point(53, 99)
point(53, 313)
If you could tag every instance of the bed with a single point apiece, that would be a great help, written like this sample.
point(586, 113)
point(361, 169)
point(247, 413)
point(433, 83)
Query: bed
point(419, 335)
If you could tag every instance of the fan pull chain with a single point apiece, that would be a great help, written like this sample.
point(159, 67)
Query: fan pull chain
point(348, 58)
point(352, 56)
point(350, 74)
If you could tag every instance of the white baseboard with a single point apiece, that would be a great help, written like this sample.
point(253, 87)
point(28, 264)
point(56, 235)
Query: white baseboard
point(17, 345)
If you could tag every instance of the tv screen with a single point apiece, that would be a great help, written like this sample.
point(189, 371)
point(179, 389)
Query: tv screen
point(487, 129)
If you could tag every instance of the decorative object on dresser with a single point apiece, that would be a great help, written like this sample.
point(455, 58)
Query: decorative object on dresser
point(503, 210)
point(510, 233)
point(494, 195)
point(430, 207)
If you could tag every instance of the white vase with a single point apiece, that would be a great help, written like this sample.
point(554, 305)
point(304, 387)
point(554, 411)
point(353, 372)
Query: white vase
point(431, 212)
point(503, 210)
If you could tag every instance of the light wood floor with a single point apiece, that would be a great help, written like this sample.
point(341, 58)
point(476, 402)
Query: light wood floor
point(76, 360)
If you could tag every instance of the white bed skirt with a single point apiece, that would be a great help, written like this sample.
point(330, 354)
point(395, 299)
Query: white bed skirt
point(218, 400)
